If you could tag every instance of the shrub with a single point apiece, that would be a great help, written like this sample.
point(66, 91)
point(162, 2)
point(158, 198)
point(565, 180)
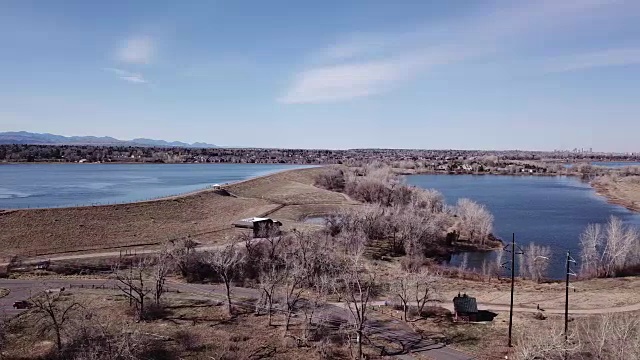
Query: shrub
point(331, 179)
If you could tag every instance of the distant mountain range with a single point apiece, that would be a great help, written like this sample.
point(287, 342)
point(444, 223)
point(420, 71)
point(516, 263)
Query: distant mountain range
point(23, 137)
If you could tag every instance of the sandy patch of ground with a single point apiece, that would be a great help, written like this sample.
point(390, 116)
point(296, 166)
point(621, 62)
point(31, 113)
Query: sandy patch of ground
point(623, 191)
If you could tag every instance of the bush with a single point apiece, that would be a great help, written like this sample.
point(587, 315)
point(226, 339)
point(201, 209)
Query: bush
point(186, 340)
point(331, 179)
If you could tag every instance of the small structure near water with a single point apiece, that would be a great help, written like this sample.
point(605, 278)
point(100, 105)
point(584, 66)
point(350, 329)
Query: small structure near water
point(465, 308)
point(261, 225)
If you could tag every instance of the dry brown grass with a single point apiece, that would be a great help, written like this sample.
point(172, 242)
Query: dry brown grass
point(585, 294)
point(300, 212)
point(205, 216)
point(58, 230)
point(589, 294)
point(623, 191)
point(291, 188)
point(192, 328)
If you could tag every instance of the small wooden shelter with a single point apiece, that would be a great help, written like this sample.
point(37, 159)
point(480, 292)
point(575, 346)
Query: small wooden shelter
point(465, 308)
point(261, 226)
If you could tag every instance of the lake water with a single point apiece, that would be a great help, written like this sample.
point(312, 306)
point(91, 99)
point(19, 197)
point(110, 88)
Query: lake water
point(550, 211)
point(60, 185)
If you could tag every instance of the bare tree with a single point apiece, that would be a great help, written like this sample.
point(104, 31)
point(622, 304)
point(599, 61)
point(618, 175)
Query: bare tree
point(522, 266)
point(497, 264)
point(161, 270)
point(419, 287)
point(464, 264)
point(534, 342)
point(132, 283)
point(226, 263)
point(295, 276)
point(611, 336)
point(606, 252)
point(270, 279)
point(476, 220)
point(619, 242)
point(183, 255)
point(54, 313)
point(425, 288)
point(272, 239)
point(323, 286)
point(358, 286)
point(590, 241)
point(400, 287)
point(537, 261)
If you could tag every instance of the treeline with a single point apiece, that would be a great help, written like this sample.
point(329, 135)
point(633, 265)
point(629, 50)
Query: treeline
point(401, 158)
point(406, 219)
point(295, 275)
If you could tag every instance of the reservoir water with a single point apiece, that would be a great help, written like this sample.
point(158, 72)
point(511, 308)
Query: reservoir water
point(550, 211)
point(60, 185)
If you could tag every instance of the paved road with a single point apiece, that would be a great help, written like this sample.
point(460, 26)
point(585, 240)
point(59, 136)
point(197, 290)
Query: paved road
point(394, 331)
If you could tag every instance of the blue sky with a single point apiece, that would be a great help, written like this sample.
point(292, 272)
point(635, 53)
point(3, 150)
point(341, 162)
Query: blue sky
point(538, 75)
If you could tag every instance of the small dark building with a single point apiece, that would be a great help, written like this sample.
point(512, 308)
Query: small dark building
point(465, 308)
point(260, 226)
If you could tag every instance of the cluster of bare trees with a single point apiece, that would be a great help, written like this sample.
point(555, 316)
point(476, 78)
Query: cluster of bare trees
point(475, 221)
point(608, 250)
point(416, 289)
point(142, 278)
point(533, 263)
point(410, 220)
point(376, 183)
point(604, 337)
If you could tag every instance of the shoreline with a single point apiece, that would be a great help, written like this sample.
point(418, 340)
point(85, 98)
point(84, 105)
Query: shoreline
point(210, 188)
point(612, 196)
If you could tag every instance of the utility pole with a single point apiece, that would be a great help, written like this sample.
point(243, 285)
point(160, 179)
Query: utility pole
point(566, 303)
point(513, 277)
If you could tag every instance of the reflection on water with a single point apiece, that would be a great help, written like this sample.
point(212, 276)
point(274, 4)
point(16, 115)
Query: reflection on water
point(550, 211)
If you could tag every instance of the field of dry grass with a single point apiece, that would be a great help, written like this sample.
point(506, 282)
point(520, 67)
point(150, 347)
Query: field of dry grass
point(205, 216)
point(290, 188)
point(585, 294)
point(623, 191)
point(189, 328)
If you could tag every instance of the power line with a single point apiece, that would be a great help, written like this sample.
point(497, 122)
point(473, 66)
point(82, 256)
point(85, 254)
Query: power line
point(512, 267)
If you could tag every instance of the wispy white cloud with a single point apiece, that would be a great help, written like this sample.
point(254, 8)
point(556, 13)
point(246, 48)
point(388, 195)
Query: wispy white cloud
point(352, 80)
point(365, 64)
point(136, 50)
point(604, 58)
point(131, 77)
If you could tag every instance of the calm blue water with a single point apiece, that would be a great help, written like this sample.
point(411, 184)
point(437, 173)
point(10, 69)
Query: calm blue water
point(549, 211)
point(56, 185)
